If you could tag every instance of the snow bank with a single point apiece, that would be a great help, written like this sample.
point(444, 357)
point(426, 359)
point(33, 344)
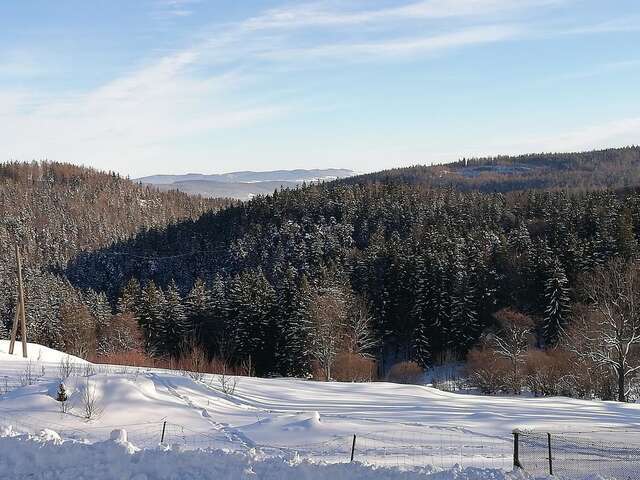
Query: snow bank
point(36, 353)
point(45, 457)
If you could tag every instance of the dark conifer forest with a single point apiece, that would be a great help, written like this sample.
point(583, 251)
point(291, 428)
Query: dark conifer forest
point(420, 258)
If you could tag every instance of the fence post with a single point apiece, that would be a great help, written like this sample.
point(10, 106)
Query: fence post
point(353, 448)
point(516, 452)
point(164, 426)
point(550, 460)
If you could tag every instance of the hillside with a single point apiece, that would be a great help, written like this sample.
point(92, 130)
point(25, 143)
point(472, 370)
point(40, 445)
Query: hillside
point(242, 185)
point(611, 168)
point(422, 269)
point(432, 266)
point(55, 211)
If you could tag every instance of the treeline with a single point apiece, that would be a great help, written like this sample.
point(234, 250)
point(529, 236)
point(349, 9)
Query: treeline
point(613, 168)
point(53, 211)
point(433, 266)
point(313, 278)
point(598, 352)
point(57, 210)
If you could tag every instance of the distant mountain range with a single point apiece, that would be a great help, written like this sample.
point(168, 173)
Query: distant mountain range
point(242, 185)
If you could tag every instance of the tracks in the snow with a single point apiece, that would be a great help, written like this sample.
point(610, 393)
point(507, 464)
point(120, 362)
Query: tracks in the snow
point(230, 434)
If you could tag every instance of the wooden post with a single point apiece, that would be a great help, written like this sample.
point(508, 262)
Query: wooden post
point(20, 311)
point(164, 426)
point(353, 447)
point(516, 452)
point(14, 328)
point(550, 459)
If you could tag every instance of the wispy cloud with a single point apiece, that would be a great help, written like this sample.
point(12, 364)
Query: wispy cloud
point(400, 47)
point(159, 106)
point(128, 119)
point(175, 8)
point(623, 24)
point(326, 13)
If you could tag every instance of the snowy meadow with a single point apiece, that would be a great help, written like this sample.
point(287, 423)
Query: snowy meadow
point(261, 423)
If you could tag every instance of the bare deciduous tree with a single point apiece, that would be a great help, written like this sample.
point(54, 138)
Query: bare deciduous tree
point(359, 337)
point(65, 367)
point(90, 401)
point(512, 342)
point(328, 321)
point(606, 329)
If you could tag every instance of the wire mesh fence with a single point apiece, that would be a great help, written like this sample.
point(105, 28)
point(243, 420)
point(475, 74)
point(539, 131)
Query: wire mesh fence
point(611, 454)
point(426, 447)
point(411, 447)
point(578, 455)
point(147, 434)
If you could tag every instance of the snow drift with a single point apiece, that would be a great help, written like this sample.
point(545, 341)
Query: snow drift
point(46, 456)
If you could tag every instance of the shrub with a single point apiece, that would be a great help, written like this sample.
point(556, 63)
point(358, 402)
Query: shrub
point(351, 367)
point(406, 372)
point(549, 372)
point(487, 370)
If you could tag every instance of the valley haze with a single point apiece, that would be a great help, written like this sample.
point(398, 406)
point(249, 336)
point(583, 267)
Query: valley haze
point(243, 185)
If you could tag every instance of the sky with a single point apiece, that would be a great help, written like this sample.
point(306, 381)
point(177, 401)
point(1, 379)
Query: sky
point(174, 86)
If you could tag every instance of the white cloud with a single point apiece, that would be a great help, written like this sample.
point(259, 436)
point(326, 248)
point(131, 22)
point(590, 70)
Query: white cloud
point(174, 8)
point(401, 47)
point(152, 113)
point(623, 24)
point(125, 119)
point(324, 13)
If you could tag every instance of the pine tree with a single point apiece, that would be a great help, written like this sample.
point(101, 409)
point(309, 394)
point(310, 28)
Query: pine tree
point(627, 244)
point(294, 326)
point(557, 300)
point(251, 302)
point(173, 332)
point(151, 313)
point(61, 395)
point(197, 308)
point(421, 345)
point(130, 297)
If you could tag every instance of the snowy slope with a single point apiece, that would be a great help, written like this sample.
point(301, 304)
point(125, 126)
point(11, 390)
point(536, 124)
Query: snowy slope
point(395, 424)
point(36, 353)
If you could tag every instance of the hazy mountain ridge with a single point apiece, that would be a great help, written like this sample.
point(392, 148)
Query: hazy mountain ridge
point(244, 184)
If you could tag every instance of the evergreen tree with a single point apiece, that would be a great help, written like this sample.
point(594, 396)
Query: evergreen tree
point(174, 329)
point(151, 314)
point(130, 297)
point(556, 313)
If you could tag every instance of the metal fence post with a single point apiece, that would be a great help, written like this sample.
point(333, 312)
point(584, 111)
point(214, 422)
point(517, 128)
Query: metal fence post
point(164, 426)
point(516, 452)
point(353, 447)
point(550, 460)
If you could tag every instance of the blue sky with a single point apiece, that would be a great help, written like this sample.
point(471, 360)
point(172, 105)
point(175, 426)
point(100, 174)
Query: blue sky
point(175, 86)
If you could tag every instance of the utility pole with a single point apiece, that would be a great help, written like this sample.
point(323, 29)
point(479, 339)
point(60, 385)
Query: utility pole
point(20, 311)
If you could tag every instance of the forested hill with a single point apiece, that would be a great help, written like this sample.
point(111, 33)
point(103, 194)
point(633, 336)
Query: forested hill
point(434, 265)
point(55, 210)
point(611, 168)
point(420, 270)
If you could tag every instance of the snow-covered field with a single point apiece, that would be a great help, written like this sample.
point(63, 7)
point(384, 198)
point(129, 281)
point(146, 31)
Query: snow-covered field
point(267, 421)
